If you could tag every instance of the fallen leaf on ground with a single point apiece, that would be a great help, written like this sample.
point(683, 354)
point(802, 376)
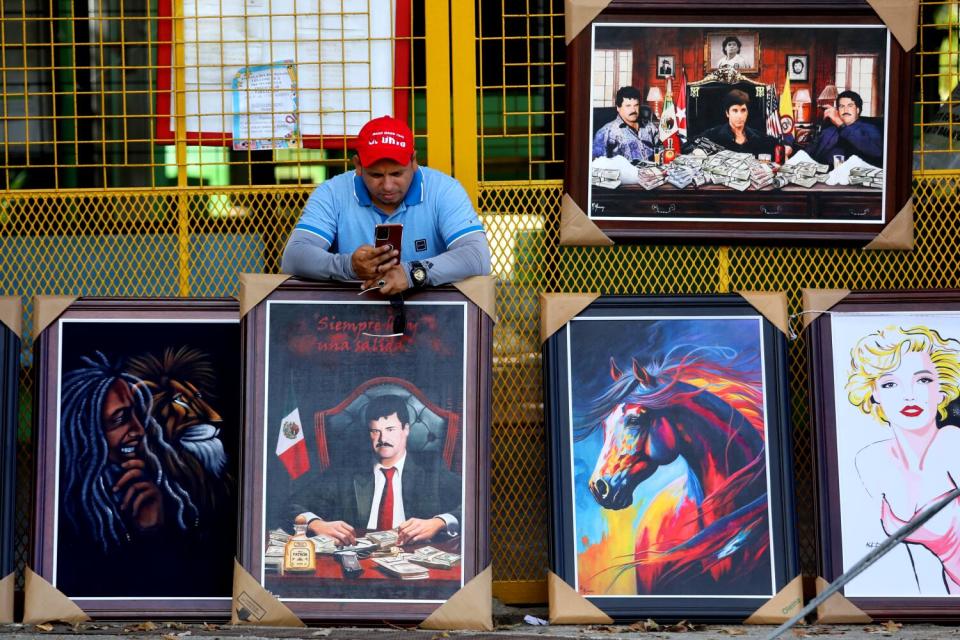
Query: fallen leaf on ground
point(681, 627)
point(645, 625)
point(892, 626)
point(44, 627)
point(210, 627)
point(733, 631)
point(602, 629)
point(143, 626)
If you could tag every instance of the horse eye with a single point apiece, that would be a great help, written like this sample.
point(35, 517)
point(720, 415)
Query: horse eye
point(632, 420)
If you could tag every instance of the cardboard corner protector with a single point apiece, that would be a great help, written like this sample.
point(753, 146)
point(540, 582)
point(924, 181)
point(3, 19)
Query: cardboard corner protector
point(42, 602)
point(482, 291)
point(556, 309)
point(469, 609)
point(577, 14)
point(772, 305)
point(576, 227)
point(254, 605)
point(816, 302)
point(785, 604)
point(898, 234)
point(569, 607)
point(46, 309)
point(837, 609)
point(254, 287)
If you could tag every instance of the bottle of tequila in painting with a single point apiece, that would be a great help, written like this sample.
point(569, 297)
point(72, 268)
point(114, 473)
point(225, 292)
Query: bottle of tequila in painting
point(299, 554)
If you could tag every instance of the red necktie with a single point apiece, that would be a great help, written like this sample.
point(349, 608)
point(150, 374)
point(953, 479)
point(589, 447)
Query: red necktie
point(385, 515)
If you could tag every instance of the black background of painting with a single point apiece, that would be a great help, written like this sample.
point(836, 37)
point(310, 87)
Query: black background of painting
point(302, 377)
point(9, 368)
point(780, 459)
point(123, 340)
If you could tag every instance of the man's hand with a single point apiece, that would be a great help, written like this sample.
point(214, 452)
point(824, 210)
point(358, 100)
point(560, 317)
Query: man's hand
point(415, 530)
point(394, 281)
point(833, 116)
point(142, 499)
point(370, 262)
point(338, 530)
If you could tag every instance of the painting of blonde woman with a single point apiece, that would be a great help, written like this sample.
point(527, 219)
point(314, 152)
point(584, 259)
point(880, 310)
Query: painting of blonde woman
point(897, 447)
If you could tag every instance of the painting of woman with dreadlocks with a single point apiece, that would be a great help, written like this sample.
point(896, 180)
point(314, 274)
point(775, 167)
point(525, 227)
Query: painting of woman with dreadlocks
point(148, 440)
point(669, 436)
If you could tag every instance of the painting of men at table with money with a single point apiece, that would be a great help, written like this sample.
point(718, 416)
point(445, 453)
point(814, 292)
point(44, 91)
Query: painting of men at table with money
point(364, 494)
point(736, 135)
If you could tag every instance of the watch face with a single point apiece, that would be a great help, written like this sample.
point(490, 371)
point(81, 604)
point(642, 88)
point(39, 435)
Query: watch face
point(420, 275)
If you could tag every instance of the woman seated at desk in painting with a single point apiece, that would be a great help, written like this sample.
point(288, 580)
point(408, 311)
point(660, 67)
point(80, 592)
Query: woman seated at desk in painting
point(904, 378)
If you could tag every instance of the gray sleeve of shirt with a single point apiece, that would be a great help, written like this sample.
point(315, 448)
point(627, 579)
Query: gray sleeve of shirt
point(307, 255)
point(467, 256)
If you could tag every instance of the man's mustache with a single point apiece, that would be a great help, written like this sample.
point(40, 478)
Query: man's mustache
point(383, 444)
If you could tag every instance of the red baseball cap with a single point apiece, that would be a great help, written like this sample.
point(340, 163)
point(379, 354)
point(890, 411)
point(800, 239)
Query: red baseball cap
point(383, 138)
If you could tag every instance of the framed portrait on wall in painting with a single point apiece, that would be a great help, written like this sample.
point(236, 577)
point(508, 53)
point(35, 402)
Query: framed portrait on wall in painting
point(138, 434)
point(670, 457)
point(798, 67)
point(665, 66)
point(348, 411)
point(886, 381)
point(735, 49)
point(9, 381)
point(713, 162)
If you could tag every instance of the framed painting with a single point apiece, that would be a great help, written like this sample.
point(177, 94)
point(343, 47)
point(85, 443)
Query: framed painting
point(702, 154)
point(886, 378)
point(670, 457)
point(798, 67)
point(367, 439)
point(665, 66)
point(138, 434)
point(9, 380)
point(738, 50)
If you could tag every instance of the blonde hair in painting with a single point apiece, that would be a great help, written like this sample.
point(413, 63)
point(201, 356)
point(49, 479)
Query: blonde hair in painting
point(881, 351)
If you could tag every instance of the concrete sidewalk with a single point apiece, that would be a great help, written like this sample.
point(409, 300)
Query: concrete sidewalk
point(509, 626)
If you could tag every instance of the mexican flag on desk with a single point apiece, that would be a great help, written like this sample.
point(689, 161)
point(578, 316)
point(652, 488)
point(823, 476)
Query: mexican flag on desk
point(291, 446)
point(669, 129)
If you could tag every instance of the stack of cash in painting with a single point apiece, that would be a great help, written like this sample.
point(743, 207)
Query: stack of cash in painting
point(434, 558)
point(606, 178)
point(709, 163)
point(400, 566)
point(867, 177)
point(805, 174)
point(380, 546)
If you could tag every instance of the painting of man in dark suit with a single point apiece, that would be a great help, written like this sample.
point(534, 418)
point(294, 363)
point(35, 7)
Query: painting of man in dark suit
point(391, 488)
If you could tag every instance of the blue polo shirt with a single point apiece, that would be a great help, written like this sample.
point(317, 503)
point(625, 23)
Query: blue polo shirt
point(435, 212)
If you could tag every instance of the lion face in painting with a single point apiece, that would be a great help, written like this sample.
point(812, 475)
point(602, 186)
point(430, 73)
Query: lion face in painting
point(179, 404)
point(179, 383)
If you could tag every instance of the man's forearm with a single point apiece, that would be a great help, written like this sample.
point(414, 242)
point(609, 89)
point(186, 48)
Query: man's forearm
point(307, 255)
point(468, 256)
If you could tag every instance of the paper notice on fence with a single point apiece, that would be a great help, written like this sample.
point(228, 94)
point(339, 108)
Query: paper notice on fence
point(265, 114)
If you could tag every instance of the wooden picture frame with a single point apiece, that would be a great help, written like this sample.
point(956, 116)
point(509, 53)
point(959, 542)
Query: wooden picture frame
point(631, 188)
point(747, 55)
point(644, 365)
point(665, 66)
point(317, 356)
point(9, 385)
point(862, 494)
point(136, 516)
point(798, 67)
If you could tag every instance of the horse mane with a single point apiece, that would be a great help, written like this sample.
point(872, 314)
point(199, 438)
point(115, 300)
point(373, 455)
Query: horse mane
point(701, 367)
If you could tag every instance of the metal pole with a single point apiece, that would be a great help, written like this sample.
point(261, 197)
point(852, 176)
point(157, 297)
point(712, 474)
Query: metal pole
point(867, 560)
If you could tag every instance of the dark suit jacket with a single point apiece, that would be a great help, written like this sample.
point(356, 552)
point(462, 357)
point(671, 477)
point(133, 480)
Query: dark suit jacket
point(347, 494)
point(756, 142)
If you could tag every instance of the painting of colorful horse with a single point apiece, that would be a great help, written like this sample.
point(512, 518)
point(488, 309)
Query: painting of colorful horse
point(670, 465)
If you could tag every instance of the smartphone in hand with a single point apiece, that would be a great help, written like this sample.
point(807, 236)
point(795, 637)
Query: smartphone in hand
point(391, 234)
